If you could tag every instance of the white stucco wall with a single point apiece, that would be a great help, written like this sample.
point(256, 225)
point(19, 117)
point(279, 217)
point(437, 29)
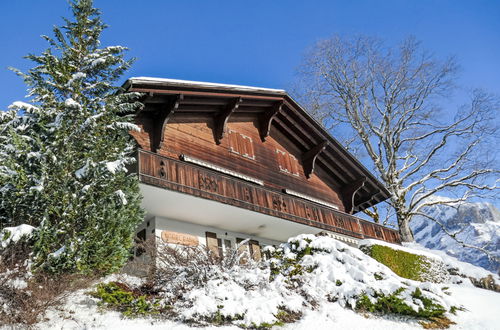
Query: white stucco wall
point(158, 224)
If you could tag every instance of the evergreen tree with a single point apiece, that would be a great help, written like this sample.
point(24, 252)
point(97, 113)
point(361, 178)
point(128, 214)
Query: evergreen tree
point(64, 156)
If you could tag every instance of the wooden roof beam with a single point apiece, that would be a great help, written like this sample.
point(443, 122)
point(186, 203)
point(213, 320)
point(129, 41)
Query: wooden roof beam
point(294, 123)
point(334, 171)
point(267, 118)
point(161, 121)
point(309, 157)
point(290, 133)
point(346, 162)
point(221, 119)
point(328, 165)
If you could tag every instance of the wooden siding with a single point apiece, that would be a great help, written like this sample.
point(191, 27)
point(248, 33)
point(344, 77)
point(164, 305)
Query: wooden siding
point(194, 136)
point(198, 181)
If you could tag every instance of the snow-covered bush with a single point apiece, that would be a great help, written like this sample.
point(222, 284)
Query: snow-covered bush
point(11, 235)
point(25, 296)
point(331, 270)
point(64, 156)
point(15, 249)
point(302, 274)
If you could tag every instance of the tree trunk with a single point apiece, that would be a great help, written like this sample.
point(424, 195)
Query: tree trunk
point(405, 230)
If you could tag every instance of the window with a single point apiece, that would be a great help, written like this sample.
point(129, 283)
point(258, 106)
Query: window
point(139, 241)
point(213, 244)
point(241, 144)
point(287, 163)
point(222, 247)
point(250, 249)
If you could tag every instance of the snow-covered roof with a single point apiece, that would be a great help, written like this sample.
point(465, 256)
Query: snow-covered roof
point(189, 83)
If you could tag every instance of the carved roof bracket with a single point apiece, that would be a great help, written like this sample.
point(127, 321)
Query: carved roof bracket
point(267, 118)
point(220, 121)
point(368, 201)
point(349, 192)
point(161, 121)
point(309, 158)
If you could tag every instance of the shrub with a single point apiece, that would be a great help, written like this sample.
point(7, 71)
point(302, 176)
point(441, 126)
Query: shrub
point(25, 297)
point(120, 297)
point(203, 289)
point(395, 304)
point(368, 281)
point(178, 276)
point(408, 265)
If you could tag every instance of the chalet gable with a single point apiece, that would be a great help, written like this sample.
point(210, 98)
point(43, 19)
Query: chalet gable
point(274, 110)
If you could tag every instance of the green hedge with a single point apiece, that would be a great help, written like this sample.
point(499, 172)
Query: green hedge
point(408, 265)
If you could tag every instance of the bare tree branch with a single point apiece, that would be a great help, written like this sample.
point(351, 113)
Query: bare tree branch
point(390, 103)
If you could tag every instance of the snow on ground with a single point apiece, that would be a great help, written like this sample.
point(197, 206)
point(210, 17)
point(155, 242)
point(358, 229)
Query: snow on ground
point(483, 308)
point(81, 312)
point(334, 262)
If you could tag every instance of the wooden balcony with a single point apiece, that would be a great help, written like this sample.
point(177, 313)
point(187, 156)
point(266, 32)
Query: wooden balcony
point(210, 184)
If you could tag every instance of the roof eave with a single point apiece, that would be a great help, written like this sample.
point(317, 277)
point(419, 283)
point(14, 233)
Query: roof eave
point(146, 82)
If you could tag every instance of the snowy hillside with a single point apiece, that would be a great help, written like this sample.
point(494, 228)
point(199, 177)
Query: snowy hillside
point(324, 296)
point(309, 282)
point(82, 312)
point(478, 224)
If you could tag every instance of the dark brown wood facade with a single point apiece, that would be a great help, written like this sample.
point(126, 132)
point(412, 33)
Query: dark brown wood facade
point(295, 170)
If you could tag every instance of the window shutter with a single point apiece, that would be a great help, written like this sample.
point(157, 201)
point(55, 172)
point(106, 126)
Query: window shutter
point(281, 160)
point(241, 144)
point(294, 165)
point(251, 152)
point(212, 243)
point(219, 247)
point(244, 146)
point(255, 250)
point(233, 141)
point(242, 249)
point(287, 162)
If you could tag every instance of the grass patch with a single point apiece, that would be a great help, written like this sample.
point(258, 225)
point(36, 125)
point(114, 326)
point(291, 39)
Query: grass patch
point(408, 265)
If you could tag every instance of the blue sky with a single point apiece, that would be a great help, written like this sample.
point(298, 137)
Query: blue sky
point(256, 42)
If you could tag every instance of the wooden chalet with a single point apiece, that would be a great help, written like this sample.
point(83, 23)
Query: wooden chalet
point(222, 163)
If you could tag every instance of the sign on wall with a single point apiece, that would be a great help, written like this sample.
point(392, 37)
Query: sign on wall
point(179, 238)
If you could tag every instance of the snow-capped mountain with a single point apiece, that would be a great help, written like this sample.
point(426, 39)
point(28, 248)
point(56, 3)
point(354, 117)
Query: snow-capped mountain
point(478, 224)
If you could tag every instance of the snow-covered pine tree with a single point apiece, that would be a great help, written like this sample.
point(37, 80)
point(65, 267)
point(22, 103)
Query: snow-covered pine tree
point(65, 154)
point(20, 169)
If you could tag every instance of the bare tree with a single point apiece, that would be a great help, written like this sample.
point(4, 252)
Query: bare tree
point(394, 107)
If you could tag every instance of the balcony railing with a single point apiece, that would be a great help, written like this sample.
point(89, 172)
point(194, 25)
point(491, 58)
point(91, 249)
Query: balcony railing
point(206, 183)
